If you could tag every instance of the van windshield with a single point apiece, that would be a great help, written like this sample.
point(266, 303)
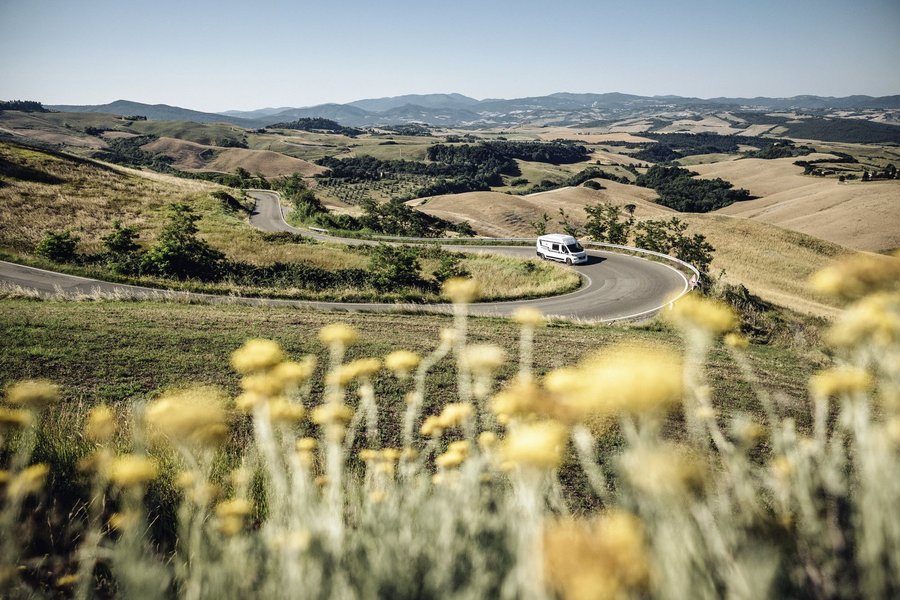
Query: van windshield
point(573, 248)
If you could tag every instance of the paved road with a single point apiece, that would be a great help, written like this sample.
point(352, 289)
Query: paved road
point(617, 286)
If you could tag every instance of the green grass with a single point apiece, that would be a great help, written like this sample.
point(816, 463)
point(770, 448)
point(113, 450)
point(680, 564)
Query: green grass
point(120, 352)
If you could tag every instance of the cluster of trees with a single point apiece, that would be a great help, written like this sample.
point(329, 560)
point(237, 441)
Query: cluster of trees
point(179, 253)
point(679, 190)
point(672, 146)
point(605, 223)
point(388, 218)
point(317, 124)
point(784, 149)
point(22, 105)
point(889, 172)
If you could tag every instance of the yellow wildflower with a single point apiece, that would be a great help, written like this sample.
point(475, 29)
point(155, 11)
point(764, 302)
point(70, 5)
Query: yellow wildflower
point(14, 417)
point(338, 334)
point(186, 479)
point(29, 481)
point(455, 414)
point(449, 460)
point(484, 358)
point(391, 454)
point(695, 312)
point(858, 275)
point(263, 384)
point(363, 367)
point(331, 413)
point(307, 443)
point(100, 425)
point(873, 320)
point(32, 393)
point(282, 410)
point(368, 454)
point(402, 362)
point(622, 379)
point(528, 316)
point(747, 432)
point(667, 470)
point(123, 520)
point(461, 291)
point(538, 445)
point(67, 580)
point(839, 381)
point(448, 336)
point(487, 440)
point(736, 340)
point(247, 401)
point(256, 355)
point(602, 559)
point(236, 507)
point(432, 427)
point(5, 477)
point(519, 398)
point(782, 467)
point(461, 446)
point(132, 470)
point(293, 373)
point(195, 415)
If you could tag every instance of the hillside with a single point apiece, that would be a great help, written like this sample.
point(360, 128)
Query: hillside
point(504, 215)
point(191, 156)
point(853, 214)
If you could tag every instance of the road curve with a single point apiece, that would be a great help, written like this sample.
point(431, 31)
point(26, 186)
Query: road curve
point(617, 286)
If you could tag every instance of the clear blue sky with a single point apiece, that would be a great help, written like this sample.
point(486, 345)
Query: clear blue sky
point(250, 54)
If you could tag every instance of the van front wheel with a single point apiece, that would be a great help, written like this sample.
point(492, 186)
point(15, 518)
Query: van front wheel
point(569, 261)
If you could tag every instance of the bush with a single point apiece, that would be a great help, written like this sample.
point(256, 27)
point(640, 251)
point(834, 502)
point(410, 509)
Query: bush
point(450, 266)
point(58, 246)
point(392, 267)
point(121, 248)
point(180, 253)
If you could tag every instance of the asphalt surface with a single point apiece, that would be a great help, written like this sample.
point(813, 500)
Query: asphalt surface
point(617, 286)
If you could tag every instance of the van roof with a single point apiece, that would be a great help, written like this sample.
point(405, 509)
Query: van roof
point(559, 238)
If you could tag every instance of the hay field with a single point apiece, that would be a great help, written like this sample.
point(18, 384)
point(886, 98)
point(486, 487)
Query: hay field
point(504, 215)
point(858, 215)
point(589, 136)
point(199, 157)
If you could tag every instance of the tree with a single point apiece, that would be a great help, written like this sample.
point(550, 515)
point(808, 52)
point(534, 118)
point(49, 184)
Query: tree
point(603, 224)
point(121, 248)
point(450, 266)
point(567, 225)
point(540, 226)
point(392, 267)
point(58, 246)
point(178, 252)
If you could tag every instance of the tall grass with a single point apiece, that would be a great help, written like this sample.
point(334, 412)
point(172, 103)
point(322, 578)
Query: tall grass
point(693, 504)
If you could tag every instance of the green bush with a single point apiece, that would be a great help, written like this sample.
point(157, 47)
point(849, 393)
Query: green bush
point(58, 246)
point(392, 267)
point(180, 253)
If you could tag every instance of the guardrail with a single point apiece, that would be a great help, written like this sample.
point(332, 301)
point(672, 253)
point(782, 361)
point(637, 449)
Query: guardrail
point(695, 273)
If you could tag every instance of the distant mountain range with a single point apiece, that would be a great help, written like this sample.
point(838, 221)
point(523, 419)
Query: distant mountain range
point(456, 110)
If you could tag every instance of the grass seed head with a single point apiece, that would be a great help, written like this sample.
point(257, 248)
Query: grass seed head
point(11, 418)
point(27, 482)
point(858, 275)
point(529, 317)
point(331, 414)
point(484, 359)
point(294, 373)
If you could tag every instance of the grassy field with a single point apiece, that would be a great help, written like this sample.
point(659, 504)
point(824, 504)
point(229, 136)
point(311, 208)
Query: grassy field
point(55, 193)
point(147, 347)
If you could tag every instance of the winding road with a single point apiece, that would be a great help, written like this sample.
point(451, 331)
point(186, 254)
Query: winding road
point(617, 286)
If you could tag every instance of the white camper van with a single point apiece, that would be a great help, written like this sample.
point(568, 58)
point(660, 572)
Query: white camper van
point(561, 247)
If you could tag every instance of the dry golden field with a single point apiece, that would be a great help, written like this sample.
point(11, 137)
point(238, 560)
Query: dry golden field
point(191, 156)
point(853, 214)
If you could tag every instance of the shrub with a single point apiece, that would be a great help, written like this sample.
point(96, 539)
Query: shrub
point(392, 267)
point(179, 253)
point(58, 246)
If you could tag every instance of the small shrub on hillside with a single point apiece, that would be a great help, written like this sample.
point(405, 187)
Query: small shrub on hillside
point(122, 251)
point(179, 253)
point(58, 246)
point(392, 267)
point(450, 266)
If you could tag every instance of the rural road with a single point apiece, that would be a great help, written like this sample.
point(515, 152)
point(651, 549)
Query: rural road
point(617, 286)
